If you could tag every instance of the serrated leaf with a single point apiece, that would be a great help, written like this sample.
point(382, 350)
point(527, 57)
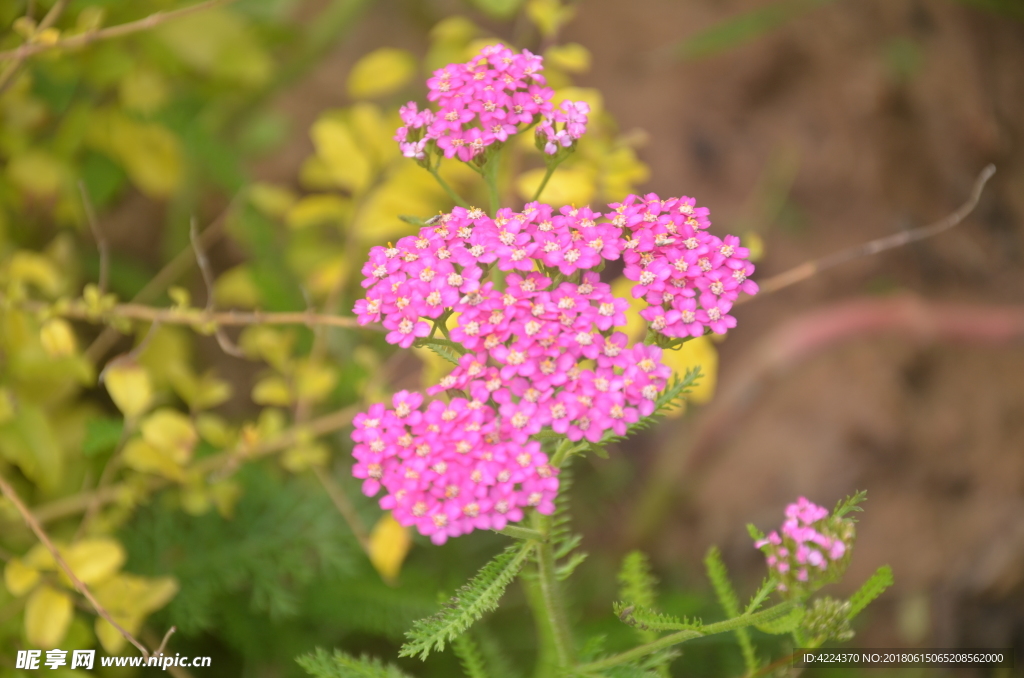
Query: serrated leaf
point(469, 604)
point(320, 664)
point(851, 504)
point(719, 576)
point(469, 656)
point(565, 570)
point(784, 624)
point(636, 583)
point(871, 589)
point(646, 619)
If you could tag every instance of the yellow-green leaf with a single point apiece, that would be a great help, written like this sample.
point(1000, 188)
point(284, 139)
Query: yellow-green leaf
point(214, 430)
point(700, 351)
point(47, 615)
point(19, 577)
point(314, 381)
point(37, 173)
point(94, 560)
point(144, 90)
point(129, 386)
point(130, 599)
point(345, 161)
point(31, 268)
point(549, 15)
point(271, 199)
point(218, 42)
point(57, 338)
point(273, 390)
point(145, 458)
point(635, 325)
point(298, 459)
point(381, 72)
point(572, 57)
point(171, 432)
point(389, 544)
point(567, 186)
point(315, 210)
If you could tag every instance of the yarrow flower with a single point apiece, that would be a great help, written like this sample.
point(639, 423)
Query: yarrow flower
point(535, 353)
point(485, 101)
point(449, 468)
point(811, 549)
point(689, 277)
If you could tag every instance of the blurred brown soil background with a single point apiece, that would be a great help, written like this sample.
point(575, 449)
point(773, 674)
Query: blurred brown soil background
point(884, 112)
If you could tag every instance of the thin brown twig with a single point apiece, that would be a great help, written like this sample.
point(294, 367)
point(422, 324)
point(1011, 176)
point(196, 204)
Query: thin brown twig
point(344, 505)
point(197, 318)
point(167, 637)
point(213, 466)
point(34, 525)
point(81, 40)
point(168, 274)
point(7, 75)
point(97, 234)
point(203, 262)
point(810, 268)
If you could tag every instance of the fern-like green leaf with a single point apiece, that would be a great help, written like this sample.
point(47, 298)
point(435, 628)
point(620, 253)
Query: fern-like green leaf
point(469, 656)
point(636, 583)
point(479, 596)
point(565, 570)
point(719, 576)
point(784, 624)
point(850, 504)
point(646, 619)
point(448, 350)
point(767, 586)
point(869, 590)
point(340, 665)
point(755, 534)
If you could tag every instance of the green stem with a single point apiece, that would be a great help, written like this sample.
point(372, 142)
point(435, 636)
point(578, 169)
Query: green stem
point(447, 189)
point(490, 174)
point(742, 621)
point(517, 532)
point(551, 596)
point(544, 182)
point(564, 451)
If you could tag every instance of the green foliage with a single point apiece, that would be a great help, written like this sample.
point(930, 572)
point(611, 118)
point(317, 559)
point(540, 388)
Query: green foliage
point(875, 586)
point(850, 505)
point(636, 582)
point(281, 537)
point(784, 624)
point(646, 619)
point(469, 604)
point(719, 576)
point(320, 664)
point(469, 655)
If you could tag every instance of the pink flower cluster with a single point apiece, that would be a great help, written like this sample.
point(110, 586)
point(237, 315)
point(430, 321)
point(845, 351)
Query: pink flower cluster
point(485, 101)
point(449, 468)
point(812, 548)
point(689, 277)
point(527, 349)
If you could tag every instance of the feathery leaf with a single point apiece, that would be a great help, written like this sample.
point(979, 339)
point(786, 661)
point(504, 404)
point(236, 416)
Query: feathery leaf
point(869, 590)
point(646, 619)
point(469, 656)
point(719, 576)
point(850, 504)
point(636, 581)
point(480, 595)
point(340, 665)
